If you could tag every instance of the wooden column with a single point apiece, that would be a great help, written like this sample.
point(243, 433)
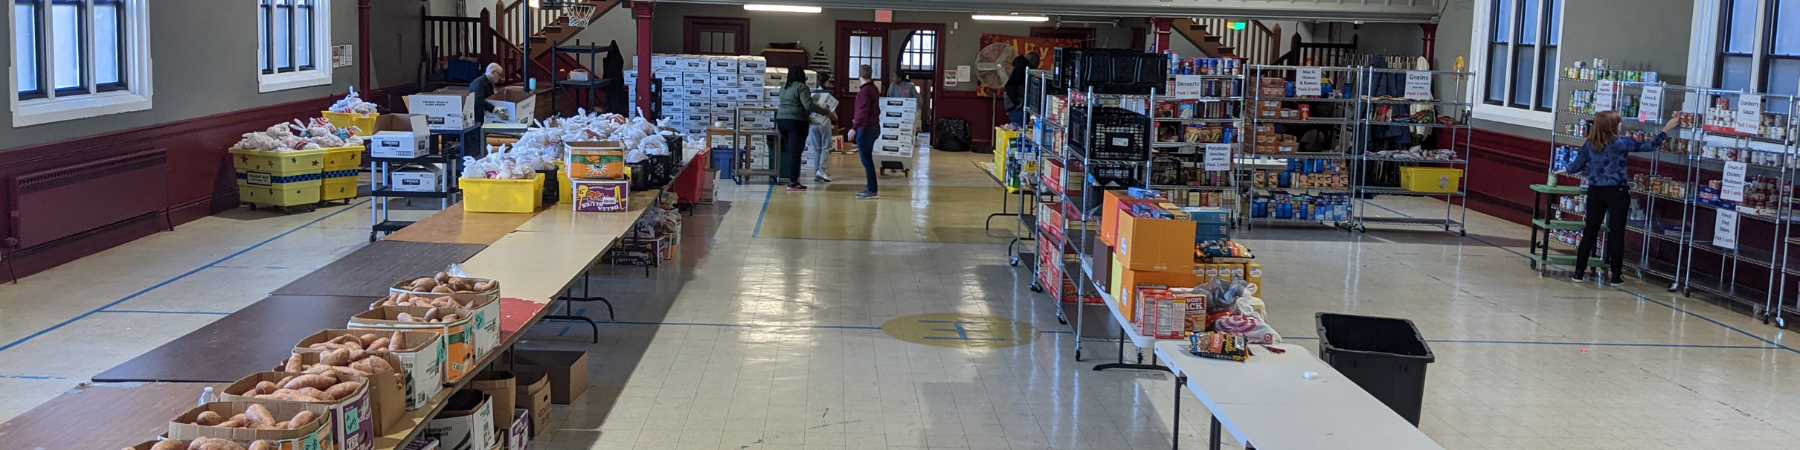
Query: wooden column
point(643, 11)
point(362, 44)
point(1160, 29)
point(1430, 44)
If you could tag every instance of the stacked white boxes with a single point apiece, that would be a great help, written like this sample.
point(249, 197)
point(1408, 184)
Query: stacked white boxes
point(700, 90)
point(898, 116)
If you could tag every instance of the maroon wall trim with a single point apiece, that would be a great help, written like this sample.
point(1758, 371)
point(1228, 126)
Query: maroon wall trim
point(201, 181)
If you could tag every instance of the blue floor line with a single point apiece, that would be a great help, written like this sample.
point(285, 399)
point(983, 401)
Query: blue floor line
point(140, 311)
point(33, 377)
point(765, 211)
point(1590, 344)
point(758, 325)
point(176, 278)
point(1634, 294)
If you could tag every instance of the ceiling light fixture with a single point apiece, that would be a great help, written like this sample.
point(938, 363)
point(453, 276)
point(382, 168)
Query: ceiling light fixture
point(1014, 17)
point(783, 8)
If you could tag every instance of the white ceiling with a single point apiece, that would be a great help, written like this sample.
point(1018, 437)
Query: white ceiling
point(1414, 11)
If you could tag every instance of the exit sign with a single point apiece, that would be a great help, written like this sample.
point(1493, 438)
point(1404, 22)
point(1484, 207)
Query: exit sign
point(884, 15)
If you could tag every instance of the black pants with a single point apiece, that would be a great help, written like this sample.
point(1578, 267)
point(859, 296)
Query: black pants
point(793, 143)
point(1609, 203)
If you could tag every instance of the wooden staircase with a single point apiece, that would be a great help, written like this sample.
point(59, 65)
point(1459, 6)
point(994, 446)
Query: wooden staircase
point(553, 25)
point(1255, 44)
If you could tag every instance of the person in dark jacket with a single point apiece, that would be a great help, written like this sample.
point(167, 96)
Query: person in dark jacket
point(1602, 162)
point(613, 68)
point(793, 118)
point(1015, 87)
point(864, 126)
point(483, 87)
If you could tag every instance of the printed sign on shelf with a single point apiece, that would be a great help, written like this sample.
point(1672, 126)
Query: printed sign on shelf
point(1725, 230)
point(1749, 113)
point(1189, 86)
point(1418, 85)
point(1307, 82)
point(1603, 96)
point(1218, 157)
point(1650, 104)
point(1731, 187)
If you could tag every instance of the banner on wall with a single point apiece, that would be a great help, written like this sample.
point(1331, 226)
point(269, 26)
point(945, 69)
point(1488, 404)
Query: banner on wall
point(1045, 48)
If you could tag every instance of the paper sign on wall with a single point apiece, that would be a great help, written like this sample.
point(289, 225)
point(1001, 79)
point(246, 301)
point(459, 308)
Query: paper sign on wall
point(1189, 86)
point(1749, 114)
point(950, 78)
point(1218, 157)
point(962, 73)
point(1731, 186)
point(1418, 85)
point(1603, 96)
point(1725, 229)
point(342, 55)
point(1307, 82)
point(1650, 104)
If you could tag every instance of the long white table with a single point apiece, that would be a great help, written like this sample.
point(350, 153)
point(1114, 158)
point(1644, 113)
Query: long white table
point(1268, 403)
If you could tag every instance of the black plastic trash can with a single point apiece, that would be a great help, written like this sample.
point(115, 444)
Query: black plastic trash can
point(1385, 356)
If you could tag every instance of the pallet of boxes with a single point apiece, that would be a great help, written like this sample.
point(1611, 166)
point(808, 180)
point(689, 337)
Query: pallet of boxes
point(1176, 271)
point(899, 119)
point(700, 90)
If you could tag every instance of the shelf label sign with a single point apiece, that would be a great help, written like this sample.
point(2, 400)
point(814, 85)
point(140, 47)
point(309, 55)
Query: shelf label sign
point(1307, 82)
point(1650, 104)
point(1218, 157)
point(1603, 96)
point(1189, 87)
point(1749, 113)
point(1725, 230)
point(1731, 186)
point(1418, 85)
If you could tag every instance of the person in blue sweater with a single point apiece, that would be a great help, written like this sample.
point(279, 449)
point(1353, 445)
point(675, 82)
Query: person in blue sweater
point(1602, 162)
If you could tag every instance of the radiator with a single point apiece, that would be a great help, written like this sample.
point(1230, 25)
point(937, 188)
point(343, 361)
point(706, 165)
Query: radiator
point(61, 202)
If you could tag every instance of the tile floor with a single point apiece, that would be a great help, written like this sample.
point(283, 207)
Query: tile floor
point(768, 331)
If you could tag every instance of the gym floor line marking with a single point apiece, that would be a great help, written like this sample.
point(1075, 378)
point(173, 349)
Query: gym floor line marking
point(1590, 344)
point(764, 212)
point(144, 311)
point(761, 325)
point(176, 278)
point(1633, 294)
point(32, 377)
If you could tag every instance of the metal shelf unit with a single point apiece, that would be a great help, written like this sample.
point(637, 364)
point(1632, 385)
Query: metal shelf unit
point(1458, 130)
point(445, 154)
point(1339, 115)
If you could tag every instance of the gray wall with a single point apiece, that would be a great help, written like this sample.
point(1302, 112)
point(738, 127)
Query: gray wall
point(810, 30)
point(204, 64)
point(1631, 34)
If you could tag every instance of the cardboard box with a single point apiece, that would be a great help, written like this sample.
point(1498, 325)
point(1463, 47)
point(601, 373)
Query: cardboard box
point(484, 316)
point(1125, 283)
point(532, 393)
point(387, 393)
point(750, 80)
point(567, 371)
point(597, 160)
point(899, 115)
point(315, 435)
point(499, 386)
point(1253, 274)
point(753, 95)
point(421, 362)
point(422, 443)
point(466, 423)
point(1162, 245)
point(512, 106)
point(518, 434)
point(774, 78)
point(443, 110)
point(694, 92)
point(691, 79)
point(722, 64)
point(602, 195)
point(459, 349)
point(898, 104)
point(414, 179)
point(665, 62)
point(353, 425)
point(696, 64)
point(399, 136)
point(717, 80)
point(672, 91)
point(753, 64)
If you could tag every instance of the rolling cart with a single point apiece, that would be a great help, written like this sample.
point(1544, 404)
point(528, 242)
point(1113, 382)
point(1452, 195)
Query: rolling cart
point(761, 125)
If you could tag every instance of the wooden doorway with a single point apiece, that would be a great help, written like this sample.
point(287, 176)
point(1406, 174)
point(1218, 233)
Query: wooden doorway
point(890, 49)
point(715, 36)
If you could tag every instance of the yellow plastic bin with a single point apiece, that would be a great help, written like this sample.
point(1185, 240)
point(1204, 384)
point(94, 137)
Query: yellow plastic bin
point(364, 123)
point(502, 196)
point(1431, 180)
point(338, 185)
point(344, 158)
point(290, 162)
point(285, 194)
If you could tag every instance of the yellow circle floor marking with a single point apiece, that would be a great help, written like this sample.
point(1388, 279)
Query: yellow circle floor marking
point(953, 330)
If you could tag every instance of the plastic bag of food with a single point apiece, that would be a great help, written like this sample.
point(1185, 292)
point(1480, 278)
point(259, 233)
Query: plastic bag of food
point(1218, 345)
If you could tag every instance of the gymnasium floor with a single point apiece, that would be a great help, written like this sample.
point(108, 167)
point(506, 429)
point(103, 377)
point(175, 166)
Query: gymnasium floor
point(793, 321)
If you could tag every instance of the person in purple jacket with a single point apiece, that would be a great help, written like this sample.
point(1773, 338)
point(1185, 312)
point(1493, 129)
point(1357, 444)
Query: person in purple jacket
point(864, 126)
point(1602, 162)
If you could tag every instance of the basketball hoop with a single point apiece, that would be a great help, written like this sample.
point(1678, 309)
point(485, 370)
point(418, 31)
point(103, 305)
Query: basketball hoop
point(579, 13)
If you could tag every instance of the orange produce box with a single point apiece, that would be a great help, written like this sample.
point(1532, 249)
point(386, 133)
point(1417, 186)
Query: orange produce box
point(1160, 245)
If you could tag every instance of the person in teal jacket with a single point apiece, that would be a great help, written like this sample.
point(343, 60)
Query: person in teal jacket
point(793, 119)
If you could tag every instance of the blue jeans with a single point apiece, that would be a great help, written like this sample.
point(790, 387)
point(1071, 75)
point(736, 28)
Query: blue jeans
point(1017, 116)
point(865, 148)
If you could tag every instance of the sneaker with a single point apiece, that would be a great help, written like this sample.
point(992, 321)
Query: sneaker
point(1616, 280)
point(866, 195)
point(796, 188)
point(1578, 277)
point(820, 177)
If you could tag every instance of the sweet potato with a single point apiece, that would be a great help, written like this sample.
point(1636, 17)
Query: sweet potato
point(343, 390)
point(302, 418)
point(379, 344)
point(442, 289)
point(233, 423)
point(404, 317)
point(312, 380)
point(259, 414)
point(433, 313)
point(261, 445)
point(293, 364)
point(397, 342)
point(208, 418)
point(264, 387)
point(168, 444)
point(379, 365)
point(316, 393)
point(452, 317)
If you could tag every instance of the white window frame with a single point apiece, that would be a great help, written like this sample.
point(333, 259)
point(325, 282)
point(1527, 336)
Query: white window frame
point(136, 75)
point(1477, 93)
point(319, 75)
point(1705, 40)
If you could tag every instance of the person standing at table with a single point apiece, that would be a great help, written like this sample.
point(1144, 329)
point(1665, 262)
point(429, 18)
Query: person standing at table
point(793, 121)
point(864, 126)
point(482, 88)
point(819, 140)
point(1015, 87)
point(1602, 162)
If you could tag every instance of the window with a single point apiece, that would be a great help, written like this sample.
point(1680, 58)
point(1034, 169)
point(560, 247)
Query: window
point(716, 36)
point(1523, 36)
point(78, 58)
point(920, 53)
point(291, 43)
point(865, 50)
point(1759, 48)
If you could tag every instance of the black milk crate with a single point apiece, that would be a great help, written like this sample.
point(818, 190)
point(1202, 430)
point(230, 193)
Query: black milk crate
point(1115, 71)
point(1116, 174)
point(1114, 134)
